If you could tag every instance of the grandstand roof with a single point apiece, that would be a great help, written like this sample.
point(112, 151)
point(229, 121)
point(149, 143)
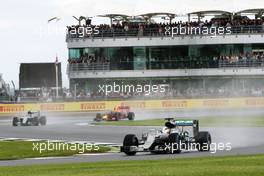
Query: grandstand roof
point(257, 12)
point(210, 12)
point(253, 11)
point(118, 17)
point(147, 16)
point(114, 16)
point(150, 15)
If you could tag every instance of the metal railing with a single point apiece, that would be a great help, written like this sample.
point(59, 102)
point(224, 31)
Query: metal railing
point(88, 67)
point(172, 64)
point(4, 98)
point(242, 63)
point(155, 32)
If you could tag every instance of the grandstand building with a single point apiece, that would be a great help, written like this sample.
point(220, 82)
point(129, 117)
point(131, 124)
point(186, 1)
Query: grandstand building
point(227, 61)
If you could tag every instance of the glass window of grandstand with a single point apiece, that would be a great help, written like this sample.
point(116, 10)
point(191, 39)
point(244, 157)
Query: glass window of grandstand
point(168, 57)
point(88, 59)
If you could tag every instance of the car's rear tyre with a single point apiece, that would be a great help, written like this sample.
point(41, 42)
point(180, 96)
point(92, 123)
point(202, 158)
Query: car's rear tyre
point(43, 120)
point(131, 116)
point(174, 141)
point(35, 121)
point(130, 140)
point(204, 141)
point(15, 121)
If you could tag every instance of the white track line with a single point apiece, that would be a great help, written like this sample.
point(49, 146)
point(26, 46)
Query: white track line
point(65, 157)
point(54, 141)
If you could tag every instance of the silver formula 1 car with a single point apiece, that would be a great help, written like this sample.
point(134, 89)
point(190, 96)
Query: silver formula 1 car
point(177, 135)
point(30, 119)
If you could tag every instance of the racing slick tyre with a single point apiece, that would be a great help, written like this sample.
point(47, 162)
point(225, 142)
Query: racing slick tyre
point(42, 120)
point(204, 141)
point(117, 116)
point(35, 121)
point(130, 140)
point(131, 116)
point(98, 117)
point(174, 141)
point(15, 121)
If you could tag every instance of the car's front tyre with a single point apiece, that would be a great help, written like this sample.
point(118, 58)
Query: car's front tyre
point(35, 121)
point(43, 120)
point(15, 121)
point(130, 140)
point(131, 116)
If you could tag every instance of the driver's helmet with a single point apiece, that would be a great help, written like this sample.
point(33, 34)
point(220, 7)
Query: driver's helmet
point(29, 113)
point(166, 130)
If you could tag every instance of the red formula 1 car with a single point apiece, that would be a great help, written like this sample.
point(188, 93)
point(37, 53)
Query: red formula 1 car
point(119, 113)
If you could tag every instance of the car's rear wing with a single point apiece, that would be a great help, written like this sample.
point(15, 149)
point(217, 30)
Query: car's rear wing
point(172, 123)
point(184, 122)
point(181, 122)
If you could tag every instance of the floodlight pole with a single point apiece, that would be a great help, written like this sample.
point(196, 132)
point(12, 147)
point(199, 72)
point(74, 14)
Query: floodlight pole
point(56, 74)
point(57, 81)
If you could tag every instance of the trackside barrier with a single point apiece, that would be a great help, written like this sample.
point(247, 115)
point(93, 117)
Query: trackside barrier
point(90, 106)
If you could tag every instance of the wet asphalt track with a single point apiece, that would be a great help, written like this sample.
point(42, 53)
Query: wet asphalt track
point(77, 127)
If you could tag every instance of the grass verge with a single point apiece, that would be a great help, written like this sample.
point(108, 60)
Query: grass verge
point(10, 150)
point(217, 166)
point(257, 121)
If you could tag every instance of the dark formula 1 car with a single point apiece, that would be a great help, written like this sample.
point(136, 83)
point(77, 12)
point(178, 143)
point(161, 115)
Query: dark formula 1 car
point(119, 113)
point(30, 119)
point(177, 135)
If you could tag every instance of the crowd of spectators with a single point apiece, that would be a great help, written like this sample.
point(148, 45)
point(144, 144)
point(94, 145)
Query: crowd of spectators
point(218, 92)
point(42, 94)
point(238, 25)
point(186, 90)
point(242, 60)
point(88, 59)
point(190, 92)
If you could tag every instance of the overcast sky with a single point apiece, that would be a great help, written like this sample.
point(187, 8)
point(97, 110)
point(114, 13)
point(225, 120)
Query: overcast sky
point(27, 37)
